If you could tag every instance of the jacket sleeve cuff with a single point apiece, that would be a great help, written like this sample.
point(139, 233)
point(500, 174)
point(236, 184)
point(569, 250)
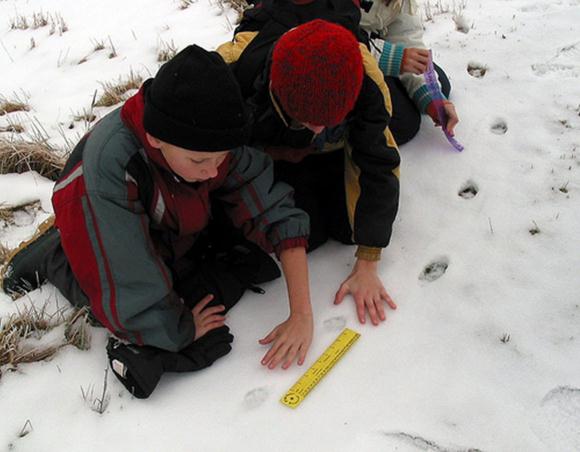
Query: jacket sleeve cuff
point(368, 253)
point(422, 98)
point(297, 242)
point(391, 59)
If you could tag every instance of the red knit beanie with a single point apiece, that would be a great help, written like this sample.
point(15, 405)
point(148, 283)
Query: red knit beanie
point(317, 72)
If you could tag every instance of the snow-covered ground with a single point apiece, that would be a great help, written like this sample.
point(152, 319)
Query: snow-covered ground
point(483, 352)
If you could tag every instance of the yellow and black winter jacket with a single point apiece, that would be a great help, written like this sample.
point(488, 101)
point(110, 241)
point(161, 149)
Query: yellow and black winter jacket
point(371, 155)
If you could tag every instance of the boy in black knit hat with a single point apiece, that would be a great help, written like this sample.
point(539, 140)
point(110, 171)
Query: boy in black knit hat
point(138, 238)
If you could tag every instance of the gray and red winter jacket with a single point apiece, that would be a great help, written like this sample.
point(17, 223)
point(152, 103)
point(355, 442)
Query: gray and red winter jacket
point(124, 217)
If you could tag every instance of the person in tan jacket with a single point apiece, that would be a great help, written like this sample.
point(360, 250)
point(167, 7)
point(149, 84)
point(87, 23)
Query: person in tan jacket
point(403, 60)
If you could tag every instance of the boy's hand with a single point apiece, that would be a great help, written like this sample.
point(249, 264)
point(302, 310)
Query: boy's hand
point(452, 118)
point(291, 339)
point(367, 290)
point(415, 61)
point(207, 319)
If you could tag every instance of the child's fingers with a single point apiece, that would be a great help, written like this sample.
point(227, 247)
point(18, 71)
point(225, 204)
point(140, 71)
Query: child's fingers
point(279, 355)
point(270, 354)
point(340, 294)
point(371, 308)
point(213, 318)
point(290, 355)
point(380, 310)
point(217, 323)
point(207, 327)
point(269, 338)
point(202, 303)
point(385, 296)
point(211, 311)
point(302, 354)
point(360, 309)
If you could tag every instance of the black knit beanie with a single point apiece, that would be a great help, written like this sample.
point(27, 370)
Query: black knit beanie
point(194, 102)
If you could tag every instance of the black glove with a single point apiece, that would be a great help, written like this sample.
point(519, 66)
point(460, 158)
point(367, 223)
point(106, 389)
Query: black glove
point(202, 353)
point(139, 368)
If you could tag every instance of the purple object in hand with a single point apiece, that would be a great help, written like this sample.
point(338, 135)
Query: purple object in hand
point(437, 96)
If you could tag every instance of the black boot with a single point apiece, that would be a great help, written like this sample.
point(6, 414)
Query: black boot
point(25, 268)
point(139, 368)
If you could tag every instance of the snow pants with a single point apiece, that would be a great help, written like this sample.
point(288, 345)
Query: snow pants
point(318, 182)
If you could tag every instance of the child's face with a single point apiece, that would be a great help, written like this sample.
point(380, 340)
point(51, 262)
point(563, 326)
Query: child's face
point(192, 166)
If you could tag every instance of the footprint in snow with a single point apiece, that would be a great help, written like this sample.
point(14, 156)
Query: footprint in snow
point(499, 127)
point(468, 190)
point(434, 270)
point(476, 70)
point(256, 397)
point(334, 323)
point(557, 422)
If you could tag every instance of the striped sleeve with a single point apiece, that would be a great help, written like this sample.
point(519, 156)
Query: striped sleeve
point(105, 236)
point(262, 209)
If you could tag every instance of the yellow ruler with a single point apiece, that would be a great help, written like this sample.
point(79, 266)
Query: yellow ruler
point(297, 393)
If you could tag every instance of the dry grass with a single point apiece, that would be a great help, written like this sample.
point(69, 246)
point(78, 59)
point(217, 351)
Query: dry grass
point(35, 323)
point(432, 8)
point(36, 155)
point(115, 92)
point(86, 115)
point(12, 105)
point(237, 5)
point(4, 253)
point(57, 24)
point(19, 22)
point(166, 51)
point(12, 128)
point(93, 401)
point(184, 4)
point(39, 20)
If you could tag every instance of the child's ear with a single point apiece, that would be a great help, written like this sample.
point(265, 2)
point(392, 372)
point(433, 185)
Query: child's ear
point(154, 142)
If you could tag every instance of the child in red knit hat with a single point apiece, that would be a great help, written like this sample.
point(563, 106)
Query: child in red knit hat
point(321, 109)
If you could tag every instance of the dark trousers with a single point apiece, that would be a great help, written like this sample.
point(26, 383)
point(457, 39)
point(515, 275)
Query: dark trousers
point(318, 183)
point(406, 118)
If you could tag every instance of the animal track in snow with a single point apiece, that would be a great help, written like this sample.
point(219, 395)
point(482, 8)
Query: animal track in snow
point(422, 443)
point(558, 69)
point(256, 397)
point(434, 270)
point(558, 420)
point(334, 323)
point(499, 127)
point(468, 190)
point(476, 70)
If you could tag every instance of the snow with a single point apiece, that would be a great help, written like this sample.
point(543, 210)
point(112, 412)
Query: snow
point(436, 376)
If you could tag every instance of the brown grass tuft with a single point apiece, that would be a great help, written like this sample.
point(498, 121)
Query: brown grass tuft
point(4, 253)
point(14, 128)
point(115, 92)
point(166, 51)
point(12, 105)
point(34, 323)
point(237, 5)
point(184, 4)
point(22, 156)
